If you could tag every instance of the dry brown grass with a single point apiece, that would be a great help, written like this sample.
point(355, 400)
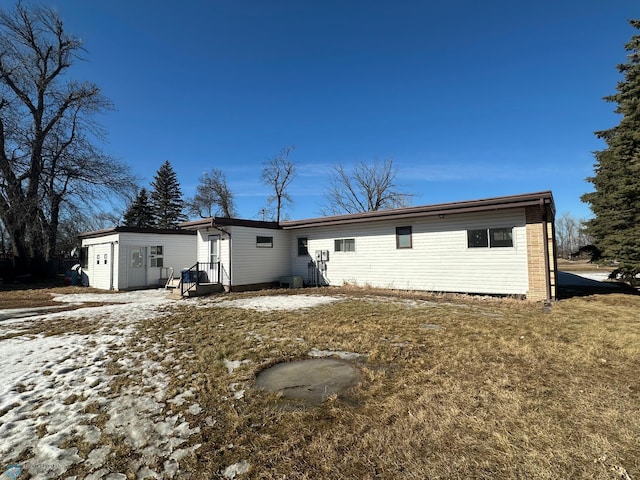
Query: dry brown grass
point(501, 390)
point(37, 297)
point(581, 266)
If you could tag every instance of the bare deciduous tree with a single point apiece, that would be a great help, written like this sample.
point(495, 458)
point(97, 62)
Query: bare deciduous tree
point(48, 153)
point(570, 235)
point(213, 196)
point(367, 188)
point(278, 173)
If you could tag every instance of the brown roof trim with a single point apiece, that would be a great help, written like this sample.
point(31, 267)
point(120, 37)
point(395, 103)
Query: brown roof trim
point(154, 231)
point(214, 222)
point(487, 204)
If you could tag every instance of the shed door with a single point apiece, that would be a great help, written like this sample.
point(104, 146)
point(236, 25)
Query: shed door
point(137, 267)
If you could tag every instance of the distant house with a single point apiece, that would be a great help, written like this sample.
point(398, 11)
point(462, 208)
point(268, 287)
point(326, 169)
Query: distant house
point(499, 246)
point(123, 258)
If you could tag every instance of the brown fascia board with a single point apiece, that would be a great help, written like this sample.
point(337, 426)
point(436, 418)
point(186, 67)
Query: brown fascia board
point(214, 222)
point(483, 205)
point(112, 230)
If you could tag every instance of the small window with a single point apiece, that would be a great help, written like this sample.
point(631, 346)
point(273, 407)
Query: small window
point(303, 246)
point(156, 254)
point(501, 237)
point(403, 237)
point(345, 245)
point(264, 242)
point(477, 238)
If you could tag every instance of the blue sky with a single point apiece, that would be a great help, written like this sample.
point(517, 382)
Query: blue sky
point(470, 99)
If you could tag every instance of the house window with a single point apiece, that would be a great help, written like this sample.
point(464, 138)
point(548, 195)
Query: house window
point(264, 242)
point(490, 237)
point(403, 237)
point(501, 237)
point(157, 258)
point(303, 246)
point(477, 238)
point(345, 245)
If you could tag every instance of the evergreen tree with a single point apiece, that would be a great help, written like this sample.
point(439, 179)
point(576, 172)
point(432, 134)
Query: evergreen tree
point(166, 198)
point(615, 202)
point(139, 213)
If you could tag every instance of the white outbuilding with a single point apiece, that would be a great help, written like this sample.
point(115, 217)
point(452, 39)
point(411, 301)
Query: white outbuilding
point(125, 258)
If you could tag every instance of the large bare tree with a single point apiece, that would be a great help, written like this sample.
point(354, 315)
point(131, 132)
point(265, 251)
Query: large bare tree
point(213, 196)
point(49, 158)
point(366, 188)
point(278, 173)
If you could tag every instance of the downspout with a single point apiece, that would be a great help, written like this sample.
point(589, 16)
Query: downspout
point(547, 266)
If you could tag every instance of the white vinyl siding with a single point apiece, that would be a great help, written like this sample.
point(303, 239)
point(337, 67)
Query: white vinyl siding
point(251, 265)
point(178, 251)
point(100, 274)
point(439, 259)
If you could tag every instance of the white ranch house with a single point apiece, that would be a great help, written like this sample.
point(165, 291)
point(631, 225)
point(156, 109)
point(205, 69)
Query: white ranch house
point(498, 246)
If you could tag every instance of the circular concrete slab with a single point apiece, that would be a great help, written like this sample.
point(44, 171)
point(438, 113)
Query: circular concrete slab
point(309, 380)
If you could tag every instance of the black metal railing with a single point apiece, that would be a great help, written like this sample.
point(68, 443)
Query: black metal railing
point(201, 272)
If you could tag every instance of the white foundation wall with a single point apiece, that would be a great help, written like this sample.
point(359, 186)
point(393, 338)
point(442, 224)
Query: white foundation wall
point(439, 259)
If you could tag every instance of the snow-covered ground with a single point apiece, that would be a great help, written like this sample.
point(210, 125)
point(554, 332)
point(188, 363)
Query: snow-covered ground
point(56, 384)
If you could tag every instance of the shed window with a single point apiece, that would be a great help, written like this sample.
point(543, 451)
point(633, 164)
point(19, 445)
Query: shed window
point(490, 237)
point(345, 245)
point(157, 259)
point(403, 237)
point(264, 242)
point(303, 246)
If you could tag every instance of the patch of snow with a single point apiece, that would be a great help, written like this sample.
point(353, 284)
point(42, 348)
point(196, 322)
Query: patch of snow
point(52, 383)
point(240, 468)
point(234, 364)
point(277, 302)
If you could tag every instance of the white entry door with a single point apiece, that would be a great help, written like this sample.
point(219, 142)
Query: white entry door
point(137, 267)
point(214, 258)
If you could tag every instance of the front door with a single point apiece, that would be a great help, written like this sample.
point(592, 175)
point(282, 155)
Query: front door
point(137, 267)
point(214, 258)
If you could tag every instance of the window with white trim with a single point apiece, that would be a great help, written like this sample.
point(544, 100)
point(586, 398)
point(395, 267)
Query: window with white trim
point(403, 237)
point(264, 242)
point(157, 256)
point(344, 245)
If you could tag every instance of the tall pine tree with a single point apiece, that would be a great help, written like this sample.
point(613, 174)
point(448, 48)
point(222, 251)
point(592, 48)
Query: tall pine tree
point(166, 198)
point(139, 214)
point(615, 202)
